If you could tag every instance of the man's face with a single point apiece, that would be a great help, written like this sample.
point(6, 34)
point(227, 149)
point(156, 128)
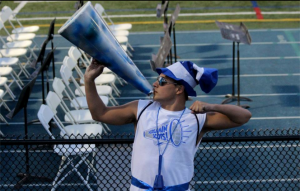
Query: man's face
point(164, 88)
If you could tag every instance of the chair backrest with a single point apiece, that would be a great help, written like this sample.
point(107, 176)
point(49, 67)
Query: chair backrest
point(65, 74)
point(1, 24)
point(99, 8)
point(69, 62)
point(7, 13)
point(74, 53)
point(53, 101)
point(45, 114)
point(58, 86)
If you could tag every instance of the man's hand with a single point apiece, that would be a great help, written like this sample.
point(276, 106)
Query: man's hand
point(200, 107)
point(94, 70)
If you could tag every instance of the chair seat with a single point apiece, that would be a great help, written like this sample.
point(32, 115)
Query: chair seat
point(13, 52)
point(22, 36)
point(101, 90)
point(30, 29)
point(120, 32)
point(80, 116)
point(5, 71)
point(78, 149)
point(122, 39)
point(18, 44)
point(106, 70)
point(125, 26)
point(3, 80)
point(8, 61)
point(84, 130)
point(83, 103)
point(103, 79)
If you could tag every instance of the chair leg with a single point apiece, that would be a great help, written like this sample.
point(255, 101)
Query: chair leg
point(15, 80)
point(114, 99)
point(12, 95)
point(130, 46)
point(54, 185)
point(6, 107)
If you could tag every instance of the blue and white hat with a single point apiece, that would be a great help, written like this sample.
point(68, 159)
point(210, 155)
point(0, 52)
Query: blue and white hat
point(190, 75)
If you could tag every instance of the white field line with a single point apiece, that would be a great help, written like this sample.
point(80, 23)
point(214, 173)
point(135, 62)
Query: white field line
point(221, 59)
point(219, 44)
point(183, 32)
point(181, 15)
point(248, 181)
point(200, 44)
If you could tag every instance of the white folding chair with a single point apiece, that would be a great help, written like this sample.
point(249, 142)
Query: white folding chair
point(105, 90)
point(3, 81)
point(6, 13)
point(4, 71)
point(77, 102)
point(70, 152)
point(12, 15)
point(104, 79)
point(73, 116)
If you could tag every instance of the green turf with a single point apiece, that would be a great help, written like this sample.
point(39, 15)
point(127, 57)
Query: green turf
point(66, 8)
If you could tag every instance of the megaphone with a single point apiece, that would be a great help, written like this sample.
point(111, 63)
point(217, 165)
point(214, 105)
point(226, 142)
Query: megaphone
point(87, 30)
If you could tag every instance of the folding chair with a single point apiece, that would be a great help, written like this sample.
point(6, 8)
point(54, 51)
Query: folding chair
point(73, 116)
point(14, 61)
point(77, 102)
point(70, 152)
point(66, 75)
point(4, 71)
point(5, 15)
point(10, 13)
point(3, 81)
point(100, 80)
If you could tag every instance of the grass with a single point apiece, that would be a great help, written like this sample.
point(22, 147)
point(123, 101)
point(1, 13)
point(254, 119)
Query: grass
point(67, 9)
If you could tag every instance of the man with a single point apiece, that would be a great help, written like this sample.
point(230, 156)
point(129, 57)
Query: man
point(167, 134)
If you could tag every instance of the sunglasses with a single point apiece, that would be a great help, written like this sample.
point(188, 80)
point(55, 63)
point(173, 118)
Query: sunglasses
point(162, 81)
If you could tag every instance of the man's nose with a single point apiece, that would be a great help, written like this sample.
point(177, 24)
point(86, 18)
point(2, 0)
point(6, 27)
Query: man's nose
point(155, 84)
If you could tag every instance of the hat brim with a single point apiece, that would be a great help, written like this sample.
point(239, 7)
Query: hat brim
point(189, 90)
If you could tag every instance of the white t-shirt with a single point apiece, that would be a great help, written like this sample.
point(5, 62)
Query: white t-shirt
point(178, 159)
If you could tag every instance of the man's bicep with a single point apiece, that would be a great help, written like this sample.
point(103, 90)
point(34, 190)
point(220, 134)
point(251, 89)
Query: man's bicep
point(217, 121)
point(119, 115)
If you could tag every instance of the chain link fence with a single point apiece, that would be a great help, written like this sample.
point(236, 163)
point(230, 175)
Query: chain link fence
point(228, 160)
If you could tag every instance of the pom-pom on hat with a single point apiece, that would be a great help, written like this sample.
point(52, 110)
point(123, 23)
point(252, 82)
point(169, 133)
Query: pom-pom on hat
point(190, 75)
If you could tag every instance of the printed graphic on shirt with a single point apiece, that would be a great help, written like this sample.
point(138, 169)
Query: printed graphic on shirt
point(172, 132)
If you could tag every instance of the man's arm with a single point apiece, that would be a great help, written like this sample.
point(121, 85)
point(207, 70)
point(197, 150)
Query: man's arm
point(219, 117)
point(117, 115)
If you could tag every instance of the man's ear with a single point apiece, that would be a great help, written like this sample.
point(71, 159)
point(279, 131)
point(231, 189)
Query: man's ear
point(180, 89)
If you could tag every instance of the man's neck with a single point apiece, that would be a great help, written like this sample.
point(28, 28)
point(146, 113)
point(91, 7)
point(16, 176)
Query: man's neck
point(173, 106)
